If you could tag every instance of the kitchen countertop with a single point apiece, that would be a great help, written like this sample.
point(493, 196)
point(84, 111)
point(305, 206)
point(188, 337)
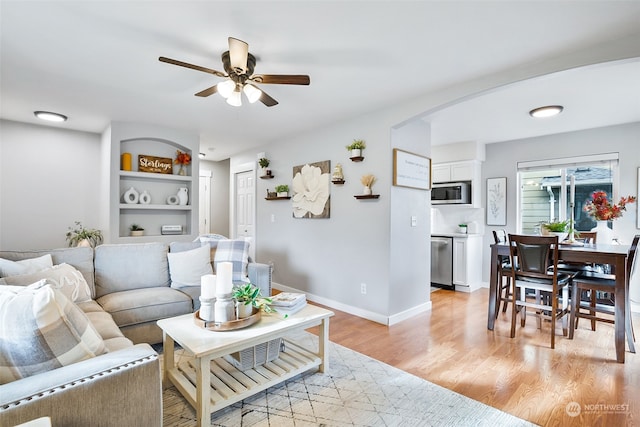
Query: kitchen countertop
point(463, 235)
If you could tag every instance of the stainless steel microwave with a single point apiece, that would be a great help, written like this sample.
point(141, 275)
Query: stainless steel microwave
point(451, 193)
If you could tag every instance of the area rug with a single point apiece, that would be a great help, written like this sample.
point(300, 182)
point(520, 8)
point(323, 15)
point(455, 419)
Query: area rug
point(357, 391)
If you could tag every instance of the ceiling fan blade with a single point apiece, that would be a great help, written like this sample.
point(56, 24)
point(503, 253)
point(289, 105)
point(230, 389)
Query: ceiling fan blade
point(193, 67)
point(209, 91)
point(267, 100)
point(238, 53)
point(282, 79)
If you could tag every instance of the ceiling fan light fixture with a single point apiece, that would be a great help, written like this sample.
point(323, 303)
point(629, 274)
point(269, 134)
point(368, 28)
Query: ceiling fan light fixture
point(546, 111)
point(226, 88)
point(253, 93)
point(235, 99)
point(50, 117)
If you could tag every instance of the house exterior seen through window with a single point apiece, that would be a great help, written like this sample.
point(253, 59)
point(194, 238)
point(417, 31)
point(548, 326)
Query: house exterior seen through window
point(544, 194)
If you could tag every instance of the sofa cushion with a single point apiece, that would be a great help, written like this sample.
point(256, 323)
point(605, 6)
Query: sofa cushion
point(25, 266)
point(112, 336)
point(41, 330)
point(235, 251)
point(122, 267)
point(144, 305)
point(186, 268)
point(80, 258)
point(63, 277)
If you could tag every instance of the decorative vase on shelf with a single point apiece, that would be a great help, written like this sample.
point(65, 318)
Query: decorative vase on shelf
point(356, 152)
point(605, 234)
point(131, 196)
point(366, 191)
point(182, 170)
point(183, 196)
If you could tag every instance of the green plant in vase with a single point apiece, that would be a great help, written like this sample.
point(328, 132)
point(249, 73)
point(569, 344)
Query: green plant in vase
point(81, 236)
point(282, 190)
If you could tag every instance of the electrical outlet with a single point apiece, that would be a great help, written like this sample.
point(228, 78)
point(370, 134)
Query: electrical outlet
point(363, 288)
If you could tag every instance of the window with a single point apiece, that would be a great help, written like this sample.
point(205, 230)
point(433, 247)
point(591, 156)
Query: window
point(545, 189)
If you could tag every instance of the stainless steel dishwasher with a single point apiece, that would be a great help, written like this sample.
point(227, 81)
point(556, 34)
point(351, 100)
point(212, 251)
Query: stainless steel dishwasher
point(442, 262)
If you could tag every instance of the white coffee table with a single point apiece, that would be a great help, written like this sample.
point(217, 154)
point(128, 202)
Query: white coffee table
point(210, 383)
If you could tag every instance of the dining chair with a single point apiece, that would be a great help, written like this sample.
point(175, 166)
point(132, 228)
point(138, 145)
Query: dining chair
point(531, 259)
point(504, 274)
point(593, 282)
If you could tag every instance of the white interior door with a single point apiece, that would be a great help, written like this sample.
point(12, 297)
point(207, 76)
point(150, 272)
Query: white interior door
point(244, 218)
point(204, 226)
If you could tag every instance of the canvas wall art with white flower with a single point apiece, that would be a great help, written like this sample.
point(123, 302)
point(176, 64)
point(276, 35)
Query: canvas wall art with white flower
point(311, 190)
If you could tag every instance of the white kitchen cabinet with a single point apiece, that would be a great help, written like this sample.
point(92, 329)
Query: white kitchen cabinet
point(467, 262)
point(458, 171)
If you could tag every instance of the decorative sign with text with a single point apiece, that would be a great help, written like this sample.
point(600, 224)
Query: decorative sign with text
point(155, 164)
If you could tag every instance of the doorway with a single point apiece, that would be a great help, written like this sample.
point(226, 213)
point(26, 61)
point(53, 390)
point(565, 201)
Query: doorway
point(243, 205)
point(204, 221)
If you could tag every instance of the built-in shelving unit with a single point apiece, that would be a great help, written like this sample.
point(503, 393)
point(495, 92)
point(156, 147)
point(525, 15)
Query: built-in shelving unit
point(163, 207)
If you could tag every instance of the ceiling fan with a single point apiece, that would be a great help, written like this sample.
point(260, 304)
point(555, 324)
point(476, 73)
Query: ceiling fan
point(238, 65)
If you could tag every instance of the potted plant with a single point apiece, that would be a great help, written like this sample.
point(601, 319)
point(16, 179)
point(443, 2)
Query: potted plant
point(462, 228)
point(136, 230)
point(282, 190)
point(264, 164)
point(356, 147)
point(558, 228)
point(367, 181)
point(247, 297)
point(81, 236)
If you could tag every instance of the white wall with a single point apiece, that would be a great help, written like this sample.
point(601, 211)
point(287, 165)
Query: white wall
point(48, 180)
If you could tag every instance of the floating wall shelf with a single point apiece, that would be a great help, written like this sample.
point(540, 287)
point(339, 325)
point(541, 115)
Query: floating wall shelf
point(357, 159)
point(277, 198)
point(338, 181)
point(367, 196)
point(267, 176)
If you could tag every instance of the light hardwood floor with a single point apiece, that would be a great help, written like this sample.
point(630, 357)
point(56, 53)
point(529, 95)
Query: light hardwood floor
point(451, 346)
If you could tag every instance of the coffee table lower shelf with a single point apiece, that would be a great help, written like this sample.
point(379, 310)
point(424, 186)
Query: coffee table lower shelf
point(229, 385)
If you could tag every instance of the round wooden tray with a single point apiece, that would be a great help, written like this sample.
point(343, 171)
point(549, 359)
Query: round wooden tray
point(227, 326)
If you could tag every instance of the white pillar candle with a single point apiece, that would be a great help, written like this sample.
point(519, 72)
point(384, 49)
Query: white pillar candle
point(573, 190)
point(224, 283)
point(208, 286)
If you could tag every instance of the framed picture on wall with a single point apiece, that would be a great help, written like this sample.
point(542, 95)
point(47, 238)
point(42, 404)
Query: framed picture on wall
point(497, 201)
point(411, 170)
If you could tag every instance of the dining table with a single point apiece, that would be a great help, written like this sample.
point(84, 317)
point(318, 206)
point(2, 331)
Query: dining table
point(597, 253)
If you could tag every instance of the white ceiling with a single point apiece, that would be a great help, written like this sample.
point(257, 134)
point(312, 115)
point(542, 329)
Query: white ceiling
point(97, 62)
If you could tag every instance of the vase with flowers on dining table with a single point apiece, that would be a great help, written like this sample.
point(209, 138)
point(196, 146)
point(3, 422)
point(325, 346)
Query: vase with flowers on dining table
point(603, 211)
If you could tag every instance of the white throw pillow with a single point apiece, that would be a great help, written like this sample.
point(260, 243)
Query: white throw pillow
point(25, 266)
point(63, 277)
point(186, 268)
point(41, 330)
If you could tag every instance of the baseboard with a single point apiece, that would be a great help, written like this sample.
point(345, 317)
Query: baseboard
point(365, 314)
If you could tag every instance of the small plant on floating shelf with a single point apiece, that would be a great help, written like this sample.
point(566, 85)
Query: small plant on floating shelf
point(282, 188)
point(263, 162)
point(357, 144)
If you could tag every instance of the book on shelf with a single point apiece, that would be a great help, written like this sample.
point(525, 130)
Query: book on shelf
point(287, 299)
point(288, 311)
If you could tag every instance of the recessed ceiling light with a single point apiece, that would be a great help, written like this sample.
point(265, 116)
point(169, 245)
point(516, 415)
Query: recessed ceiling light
point(546, 111)
point(49, 116)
